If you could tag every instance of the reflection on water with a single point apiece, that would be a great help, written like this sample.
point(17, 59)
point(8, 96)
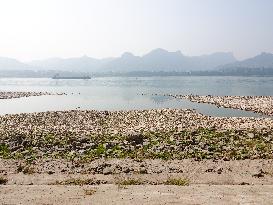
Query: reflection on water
point(126, 93)
point(84, 102)
point(159, 99)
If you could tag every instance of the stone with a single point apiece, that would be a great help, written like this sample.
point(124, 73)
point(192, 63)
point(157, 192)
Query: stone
point(108, 170)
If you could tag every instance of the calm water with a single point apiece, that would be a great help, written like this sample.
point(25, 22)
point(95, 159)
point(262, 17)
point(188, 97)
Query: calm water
point(124, 93)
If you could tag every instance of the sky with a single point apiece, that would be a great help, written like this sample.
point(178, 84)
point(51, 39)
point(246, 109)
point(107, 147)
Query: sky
point(38, 29)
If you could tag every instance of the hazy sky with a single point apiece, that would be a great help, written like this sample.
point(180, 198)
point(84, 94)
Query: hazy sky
point(36, 29)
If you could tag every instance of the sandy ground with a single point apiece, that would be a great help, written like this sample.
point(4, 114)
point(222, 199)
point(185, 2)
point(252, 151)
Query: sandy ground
point(133, 195)
point(213, 172)
point(211, 182)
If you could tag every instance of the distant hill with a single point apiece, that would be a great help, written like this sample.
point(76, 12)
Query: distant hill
point(264, 60)
point(80, 64)
point(156, 60)
point(259, 65)
point(162, 60)
point(209, 62)
point(12, 64)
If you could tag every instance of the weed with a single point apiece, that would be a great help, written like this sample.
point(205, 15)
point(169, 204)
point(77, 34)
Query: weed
point(89, 191)
point(80, 182)
point(177, 182)
point(127, 182)
point(28, 170)
point(4, 151)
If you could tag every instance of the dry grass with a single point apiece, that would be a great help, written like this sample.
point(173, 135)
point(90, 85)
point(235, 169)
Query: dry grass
point(80, 182)
point(126, 182)
point(122, 183)
point(89, 192)
point(177, 182)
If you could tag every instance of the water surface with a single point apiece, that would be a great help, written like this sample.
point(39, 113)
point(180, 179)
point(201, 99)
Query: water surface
point(125, 93)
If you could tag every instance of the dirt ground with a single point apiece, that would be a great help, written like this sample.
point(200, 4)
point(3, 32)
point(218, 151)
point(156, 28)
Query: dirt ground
point(134, 195)
point(212, 172)
point(210, 182)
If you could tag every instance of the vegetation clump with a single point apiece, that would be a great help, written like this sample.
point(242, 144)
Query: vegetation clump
point(80, 182)
point(127, 182)
point(202, 143)
point(89, 191)
point(177, 182)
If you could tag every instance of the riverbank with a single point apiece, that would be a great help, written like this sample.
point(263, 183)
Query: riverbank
point(137, 172)
point(163, 134)
point(258, 104)
point(155, 150)
point(181, 182)
point(10, 95)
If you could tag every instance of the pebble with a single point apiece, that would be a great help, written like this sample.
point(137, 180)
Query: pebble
point(108, 170)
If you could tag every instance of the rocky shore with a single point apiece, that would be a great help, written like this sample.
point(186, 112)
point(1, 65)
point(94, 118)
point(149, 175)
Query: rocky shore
point(143, 134)
point(258, 104)
point(10, 95)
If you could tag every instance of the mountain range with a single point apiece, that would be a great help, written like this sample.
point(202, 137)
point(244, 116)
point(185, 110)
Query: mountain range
point(264, 60)
point(154, 61)
point(12, 64)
